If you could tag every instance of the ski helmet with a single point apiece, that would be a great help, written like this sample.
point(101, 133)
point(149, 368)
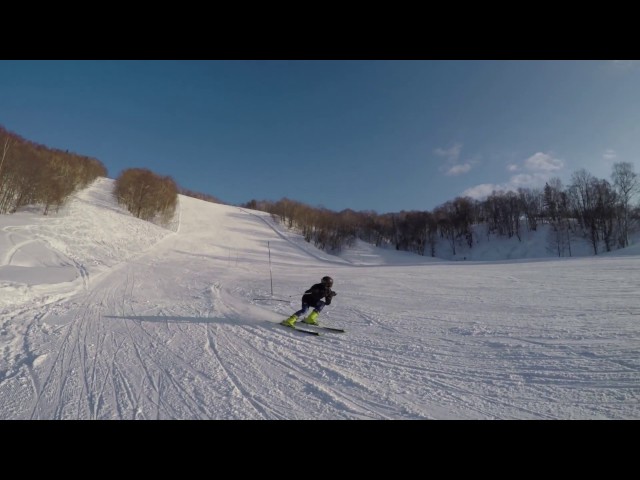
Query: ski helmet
point(327, 281)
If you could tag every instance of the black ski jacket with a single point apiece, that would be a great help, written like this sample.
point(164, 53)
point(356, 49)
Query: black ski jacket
point(316, 293)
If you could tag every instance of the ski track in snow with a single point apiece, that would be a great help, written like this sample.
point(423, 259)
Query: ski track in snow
point(180, 324)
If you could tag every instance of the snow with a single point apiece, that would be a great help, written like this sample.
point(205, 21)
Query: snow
point(104, 316)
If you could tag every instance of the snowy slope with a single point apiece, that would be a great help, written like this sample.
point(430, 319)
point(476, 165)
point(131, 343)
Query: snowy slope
point(55, 256)
point(105, 316)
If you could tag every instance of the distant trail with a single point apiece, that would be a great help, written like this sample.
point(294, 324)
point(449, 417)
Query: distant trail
point(282, 236)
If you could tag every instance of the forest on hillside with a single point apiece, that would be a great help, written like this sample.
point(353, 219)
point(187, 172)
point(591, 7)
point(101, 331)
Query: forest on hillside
point(33, 174)
point(600, 211)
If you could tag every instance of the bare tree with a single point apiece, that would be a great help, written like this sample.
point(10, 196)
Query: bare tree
point(531, 204)
point(5, 149)
point(627, 185)
point(583, 200)
point(147, 195)
point(605, 211)
point(443, 215)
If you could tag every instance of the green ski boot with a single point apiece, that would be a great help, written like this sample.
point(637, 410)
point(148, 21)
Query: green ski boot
point(289, 322)
point(311, 319)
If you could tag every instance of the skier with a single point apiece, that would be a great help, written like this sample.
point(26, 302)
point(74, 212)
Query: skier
point(313, 298)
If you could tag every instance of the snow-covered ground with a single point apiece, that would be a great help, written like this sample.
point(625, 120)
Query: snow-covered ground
point(106, 316)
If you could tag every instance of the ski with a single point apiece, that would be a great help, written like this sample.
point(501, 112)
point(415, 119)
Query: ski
point(330, 329)
point(301, 330)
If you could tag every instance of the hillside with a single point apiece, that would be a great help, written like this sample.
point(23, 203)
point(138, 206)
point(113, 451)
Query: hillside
point(104, 316)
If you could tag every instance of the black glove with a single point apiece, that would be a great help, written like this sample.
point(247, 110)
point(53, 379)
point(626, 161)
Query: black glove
point(332, 293)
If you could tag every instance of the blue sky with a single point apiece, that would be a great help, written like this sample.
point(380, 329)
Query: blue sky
point(367, 135)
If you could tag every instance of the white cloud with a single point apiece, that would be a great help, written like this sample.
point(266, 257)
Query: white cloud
point(481, 191)
point(543, 162)
point(459, 169)
point(452, 165)
point(452, 154)
point(521, 180)
point(609, 155)
point(527, 180)
point(540, 167)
